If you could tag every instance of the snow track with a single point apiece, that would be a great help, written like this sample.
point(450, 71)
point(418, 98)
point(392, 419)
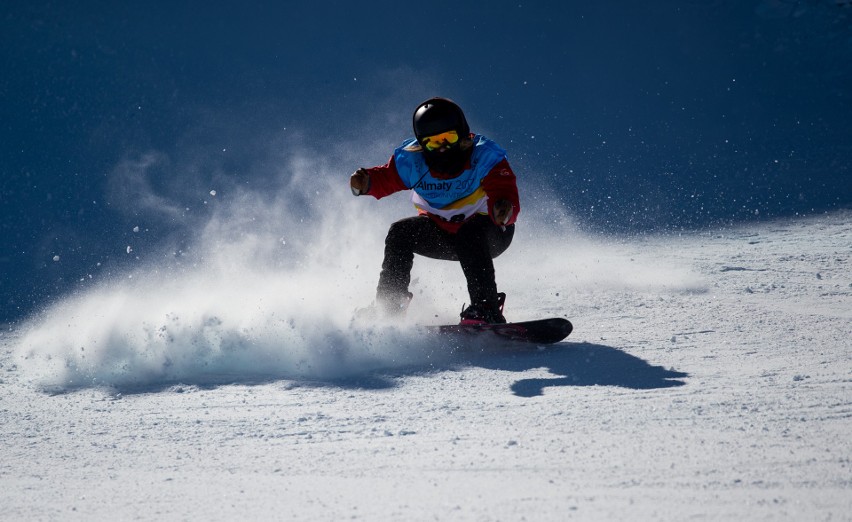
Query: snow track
point(709, 376)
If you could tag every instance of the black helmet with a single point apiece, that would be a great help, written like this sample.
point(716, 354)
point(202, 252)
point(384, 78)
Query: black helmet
point(437, 115)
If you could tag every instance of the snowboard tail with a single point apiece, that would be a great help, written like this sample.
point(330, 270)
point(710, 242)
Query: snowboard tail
point(541, 331)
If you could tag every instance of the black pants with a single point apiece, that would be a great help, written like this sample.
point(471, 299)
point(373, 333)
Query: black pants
point(475, 244)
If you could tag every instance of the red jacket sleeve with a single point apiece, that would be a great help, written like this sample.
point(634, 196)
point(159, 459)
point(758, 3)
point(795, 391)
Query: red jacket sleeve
point(385, 180)
point(500, 183)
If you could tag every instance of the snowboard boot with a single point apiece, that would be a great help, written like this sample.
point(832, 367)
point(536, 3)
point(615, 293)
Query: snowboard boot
point(385, 307)
point(394, 305)
point(485, 312)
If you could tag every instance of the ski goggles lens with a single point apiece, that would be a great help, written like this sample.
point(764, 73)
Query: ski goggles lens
point(437, 141)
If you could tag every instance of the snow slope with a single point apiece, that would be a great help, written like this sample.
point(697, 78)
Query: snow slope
point(708, 377)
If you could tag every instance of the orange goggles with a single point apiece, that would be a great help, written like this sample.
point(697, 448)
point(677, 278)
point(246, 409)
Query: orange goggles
point(439, 140)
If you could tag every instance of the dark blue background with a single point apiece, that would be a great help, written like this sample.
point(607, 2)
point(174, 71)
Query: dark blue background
point(668, 116)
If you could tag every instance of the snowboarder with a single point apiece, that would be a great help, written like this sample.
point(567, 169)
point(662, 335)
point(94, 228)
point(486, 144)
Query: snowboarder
point(467, 201)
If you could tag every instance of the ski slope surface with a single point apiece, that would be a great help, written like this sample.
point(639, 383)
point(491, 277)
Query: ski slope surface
point(708, 376)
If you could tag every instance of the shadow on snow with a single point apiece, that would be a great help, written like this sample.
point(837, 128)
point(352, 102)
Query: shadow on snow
point(583, 364)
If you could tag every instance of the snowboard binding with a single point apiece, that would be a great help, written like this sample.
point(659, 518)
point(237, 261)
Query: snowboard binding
point(485, 312)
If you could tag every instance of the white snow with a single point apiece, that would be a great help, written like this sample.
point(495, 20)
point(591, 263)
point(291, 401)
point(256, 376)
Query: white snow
point(708, 377)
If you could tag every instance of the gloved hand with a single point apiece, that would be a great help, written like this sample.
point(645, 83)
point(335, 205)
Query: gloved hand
point(359, 182)
point(502, 211)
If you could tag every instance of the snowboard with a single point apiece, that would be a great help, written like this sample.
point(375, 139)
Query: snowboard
point(540, 331)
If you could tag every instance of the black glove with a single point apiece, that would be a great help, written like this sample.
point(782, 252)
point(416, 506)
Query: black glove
point(359, 182)
point(502, 211)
